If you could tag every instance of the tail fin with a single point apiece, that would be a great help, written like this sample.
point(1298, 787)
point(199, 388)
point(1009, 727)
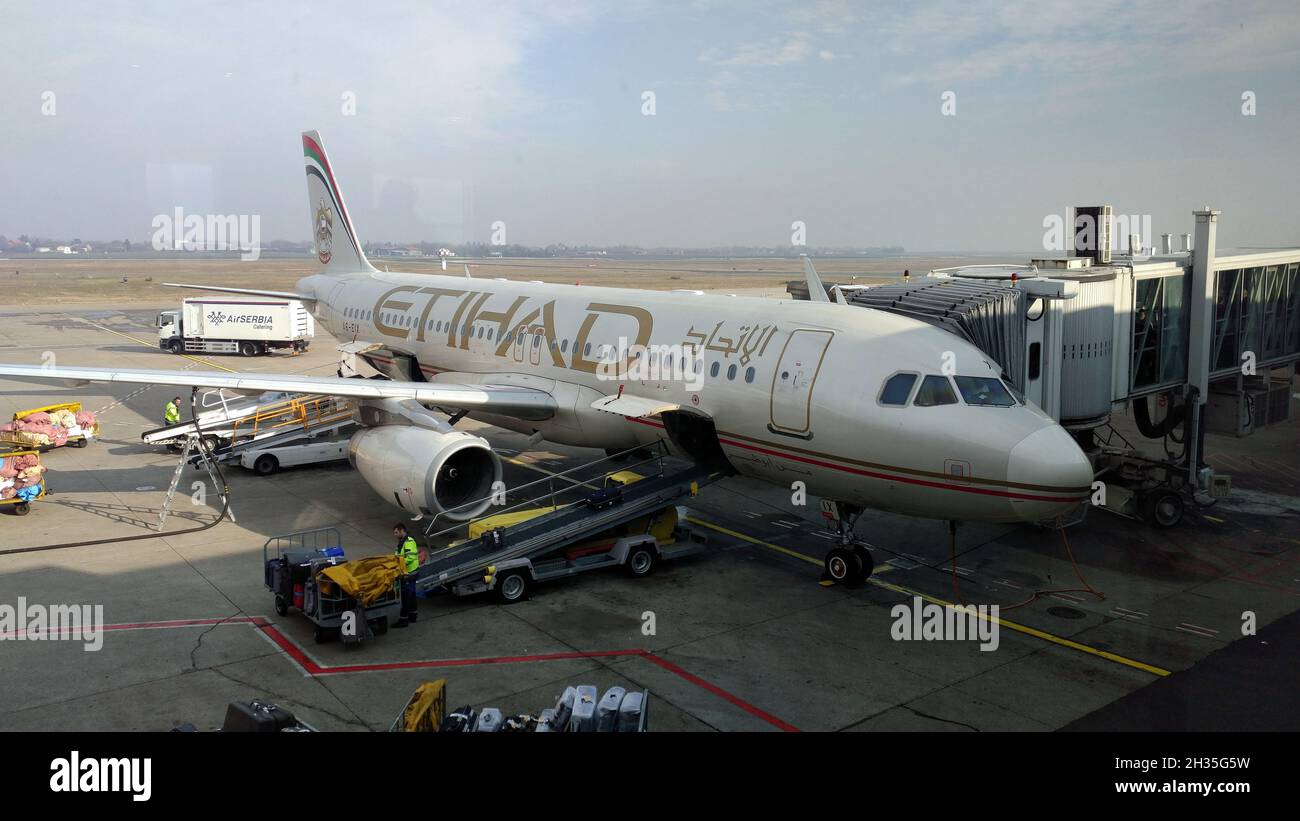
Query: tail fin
point(337, 246)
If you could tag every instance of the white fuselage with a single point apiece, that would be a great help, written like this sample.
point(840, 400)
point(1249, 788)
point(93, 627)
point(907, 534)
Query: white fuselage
point(792, 387)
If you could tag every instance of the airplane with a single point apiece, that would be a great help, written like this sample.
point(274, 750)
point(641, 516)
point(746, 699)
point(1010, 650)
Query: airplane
point(867, 409)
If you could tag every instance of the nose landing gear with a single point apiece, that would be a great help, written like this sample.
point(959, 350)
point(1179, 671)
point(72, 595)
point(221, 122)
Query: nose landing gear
point(848, 563)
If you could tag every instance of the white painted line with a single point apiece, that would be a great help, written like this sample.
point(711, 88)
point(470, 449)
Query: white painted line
point(1198, 627)
point(780, 523)
point(1006, 583)
point(1128, 612)
point(1070, 599)
point(823, 535)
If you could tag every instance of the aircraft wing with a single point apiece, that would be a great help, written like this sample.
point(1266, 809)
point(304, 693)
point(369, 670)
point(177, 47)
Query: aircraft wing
point(507, 400)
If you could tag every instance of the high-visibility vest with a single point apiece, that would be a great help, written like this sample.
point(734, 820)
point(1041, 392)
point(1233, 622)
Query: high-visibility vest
point(410, 553)
point(171, 414)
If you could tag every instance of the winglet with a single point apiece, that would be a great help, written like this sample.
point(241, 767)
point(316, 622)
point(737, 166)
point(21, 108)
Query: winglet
point(816, 291)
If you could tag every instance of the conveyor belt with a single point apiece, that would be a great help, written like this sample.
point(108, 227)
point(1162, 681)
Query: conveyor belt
point(558, 529)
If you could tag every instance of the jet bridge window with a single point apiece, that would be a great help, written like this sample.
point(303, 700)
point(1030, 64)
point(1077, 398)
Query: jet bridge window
point(935, 390)
point(897, 388)
point(984, 390)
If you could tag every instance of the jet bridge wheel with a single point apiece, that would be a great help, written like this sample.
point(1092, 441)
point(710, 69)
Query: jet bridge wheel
point(849, 566)
point(1163, 507)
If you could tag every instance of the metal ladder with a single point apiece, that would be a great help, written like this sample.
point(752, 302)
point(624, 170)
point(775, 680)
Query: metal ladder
point(193, 443)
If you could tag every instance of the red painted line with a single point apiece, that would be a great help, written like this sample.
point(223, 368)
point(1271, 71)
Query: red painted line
point(890, 477)
point(314, 668)
point(722, 694)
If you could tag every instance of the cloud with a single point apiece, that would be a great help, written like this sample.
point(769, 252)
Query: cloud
point(777, 51)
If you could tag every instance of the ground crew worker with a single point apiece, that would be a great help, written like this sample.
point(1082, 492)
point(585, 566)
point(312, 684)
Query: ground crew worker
point(172, 412)
point(409, 552)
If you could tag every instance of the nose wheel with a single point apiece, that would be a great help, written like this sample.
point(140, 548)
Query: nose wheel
point(849, 565)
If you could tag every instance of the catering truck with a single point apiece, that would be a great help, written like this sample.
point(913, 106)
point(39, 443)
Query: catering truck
point(251, 327)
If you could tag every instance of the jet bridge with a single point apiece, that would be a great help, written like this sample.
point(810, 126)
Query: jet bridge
point(1216, 337)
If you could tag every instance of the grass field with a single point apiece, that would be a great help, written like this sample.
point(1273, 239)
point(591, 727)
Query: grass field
point(91, 282)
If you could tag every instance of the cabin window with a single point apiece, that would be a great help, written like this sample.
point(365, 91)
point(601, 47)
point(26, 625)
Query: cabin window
point(731, 372)
point(984, 390)
point(587, 350)
point(564, 346)
point(897, 388)
point(935, 390)
point(749, 374)
point(713, 369)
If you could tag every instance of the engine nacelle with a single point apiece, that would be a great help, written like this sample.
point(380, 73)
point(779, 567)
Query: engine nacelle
point(431, 472)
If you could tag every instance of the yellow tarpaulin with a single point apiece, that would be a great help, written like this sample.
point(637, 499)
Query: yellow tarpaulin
point(427, 708)
point(366, 579)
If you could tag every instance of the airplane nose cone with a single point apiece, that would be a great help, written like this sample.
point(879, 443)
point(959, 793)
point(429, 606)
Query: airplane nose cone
point(1049, 475)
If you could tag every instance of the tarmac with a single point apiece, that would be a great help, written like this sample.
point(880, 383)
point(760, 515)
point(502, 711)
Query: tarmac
point(745, 636)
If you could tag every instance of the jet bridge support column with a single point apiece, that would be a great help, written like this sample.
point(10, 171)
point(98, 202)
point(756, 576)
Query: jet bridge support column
point(1200, 335)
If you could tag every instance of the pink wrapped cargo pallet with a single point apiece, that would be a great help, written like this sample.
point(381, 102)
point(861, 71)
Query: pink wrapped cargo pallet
point(51, 427)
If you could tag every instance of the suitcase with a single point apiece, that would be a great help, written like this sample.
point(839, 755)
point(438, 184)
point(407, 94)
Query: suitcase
point(607, 710)
point(489, 720)
point(630, 711)
point(583, 719)
point(563, 709)
point(546, 722)
point(459, 721)
point(256, 717)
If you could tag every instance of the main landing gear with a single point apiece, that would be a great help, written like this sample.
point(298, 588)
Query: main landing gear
point(849, 562)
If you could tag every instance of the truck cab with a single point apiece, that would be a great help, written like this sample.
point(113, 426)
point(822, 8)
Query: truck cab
point(169, 331)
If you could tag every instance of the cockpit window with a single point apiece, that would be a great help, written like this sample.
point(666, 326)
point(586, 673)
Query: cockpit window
point(984, 390)
point(897, 388)
point(935, 390)
point(1020, 397)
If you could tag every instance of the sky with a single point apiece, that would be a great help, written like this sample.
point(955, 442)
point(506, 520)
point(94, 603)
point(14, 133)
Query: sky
point(938, 126)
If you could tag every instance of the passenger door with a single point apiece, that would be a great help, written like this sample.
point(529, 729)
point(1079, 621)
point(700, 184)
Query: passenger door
point(794, 381)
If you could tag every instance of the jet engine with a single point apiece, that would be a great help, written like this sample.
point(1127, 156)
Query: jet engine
point(431, 472)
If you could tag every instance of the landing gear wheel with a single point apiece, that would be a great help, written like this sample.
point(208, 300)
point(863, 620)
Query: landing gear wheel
point(248, 348)
point(175, 346)
point(868, 563)
point(1163, 507)
point(281, 606)
point(265, 465)
point(512, 587)
point(640, 562)
point(844, 566)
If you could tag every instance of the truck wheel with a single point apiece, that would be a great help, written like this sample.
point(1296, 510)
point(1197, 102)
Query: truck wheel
point(22, 509)
point(281, 606)
point(248, 348)
point(211, 443)
point(80, 443)
point(320, 635)
point(640, 561)
point(1163, 507)
point(175, 346)
point(265, 465)
point(512, 586)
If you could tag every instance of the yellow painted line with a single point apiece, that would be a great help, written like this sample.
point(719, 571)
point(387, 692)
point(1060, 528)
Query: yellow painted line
point(139, 341)
point(1212, 519)
point(898, 588)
